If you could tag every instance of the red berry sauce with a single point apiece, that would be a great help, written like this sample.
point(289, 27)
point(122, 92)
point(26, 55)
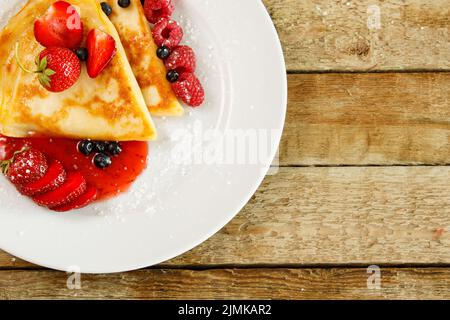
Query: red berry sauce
point(109, 182)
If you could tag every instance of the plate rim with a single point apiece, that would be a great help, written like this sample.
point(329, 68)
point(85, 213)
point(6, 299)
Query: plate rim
point(232, 213)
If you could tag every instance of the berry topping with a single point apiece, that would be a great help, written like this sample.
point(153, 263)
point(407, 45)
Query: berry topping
point(164, 10)
point(82, 54)
point(26, 166)
point(189, 89)
point(89, 196)
point(86, 147)
point(102, 161)
point(106, 8)
point(101, 48)
point(60, 26)
point(158, 4)
point(167, 33)
point(163, 52)
point(114, 148)
point(53, 179)
point(182, 59)
point(100, 146)
point(58, 69)
point(173, 76)
point(73, 187)
point(124, 3)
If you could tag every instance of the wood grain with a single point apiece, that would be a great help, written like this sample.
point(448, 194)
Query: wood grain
point(429, 283)
point(358, 215)
point(361, 119)
point(335, 34)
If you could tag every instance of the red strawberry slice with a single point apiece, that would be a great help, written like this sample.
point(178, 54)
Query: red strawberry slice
point(53, 179)
point(82, 201)
point(60, 26)
point(101, 49)
point(74, 186)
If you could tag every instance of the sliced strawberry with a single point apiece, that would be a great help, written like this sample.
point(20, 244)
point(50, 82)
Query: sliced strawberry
point(53, 179)
point(101, 49)
point(74, 186)
point(82, 201)
point(60, 26)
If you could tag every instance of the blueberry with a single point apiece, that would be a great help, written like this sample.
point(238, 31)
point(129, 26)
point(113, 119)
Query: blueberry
point(82, 54)
point(172, 76)
point(100, 146)
point(163, 52)
point(124, 3)
point(85, 147)
point(114, 148)
point(102, 160)
point(106, 8)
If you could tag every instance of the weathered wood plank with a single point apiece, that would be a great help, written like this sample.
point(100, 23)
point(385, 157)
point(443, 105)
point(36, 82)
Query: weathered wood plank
point(359, 215)
point(428, 283)
point(360, 119)
point(344, 35)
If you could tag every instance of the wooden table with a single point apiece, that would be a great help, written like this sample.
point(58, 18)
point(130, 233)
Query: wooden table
point(364, 176)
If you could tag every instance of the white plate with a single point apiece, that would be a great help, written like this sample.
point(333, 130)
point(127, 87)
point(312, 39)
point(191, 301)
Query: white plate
point(186, 195)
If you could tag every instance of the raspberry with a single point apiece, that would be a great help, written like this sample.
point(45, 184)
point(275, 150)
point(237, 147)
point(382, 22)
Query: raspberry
point(167, 33)
point(182, 59)
point(154, 15)
point(189, 89)
point(157, 4)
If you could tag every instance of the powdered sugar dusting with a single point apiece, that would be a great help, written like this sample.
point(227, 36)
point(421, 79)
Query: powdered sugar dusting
point(155, 190)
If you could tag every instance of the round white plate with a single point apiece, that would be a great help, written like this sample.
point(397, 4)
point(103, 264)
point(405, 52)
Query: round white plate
point(202, 170)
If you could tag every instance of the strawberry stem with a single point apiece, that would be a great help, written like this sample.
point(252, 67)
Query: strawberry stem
point(18, 60)
point(4, 165)
point(43, 72)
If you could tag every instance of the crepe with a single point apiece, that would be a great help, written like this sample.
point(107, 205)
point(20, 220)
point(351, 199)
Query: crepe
point(140, 48)
point(110, 107)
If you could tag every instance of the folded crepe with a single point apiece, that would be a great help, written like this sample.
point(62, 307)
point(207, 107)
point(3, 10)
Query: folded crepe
point(150, 72)
point(109, 107)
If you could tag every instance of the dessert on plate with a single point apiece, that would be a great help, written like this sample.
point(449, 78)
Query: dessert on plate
point(78, 82)
point(150, 72)
point(108, 106)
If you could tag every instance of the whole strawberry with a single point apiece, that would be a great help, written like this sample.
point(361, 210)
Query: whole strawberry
point(60, 26)
point(26, 166)
point(58, 69)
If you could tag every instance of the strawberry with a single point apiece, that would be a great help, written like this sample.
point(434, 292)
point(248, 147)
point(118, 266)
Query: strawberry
point(74, 186)
point(58, 69)
point(53, 179)
point(82, 201)
point(60, 26)
point(101, 49)
point(26, 166)
point(189, 89)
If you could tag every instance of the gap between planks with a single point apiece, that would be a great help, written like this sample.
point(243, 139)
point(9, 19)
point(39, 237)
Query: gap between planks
point(408, 283)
